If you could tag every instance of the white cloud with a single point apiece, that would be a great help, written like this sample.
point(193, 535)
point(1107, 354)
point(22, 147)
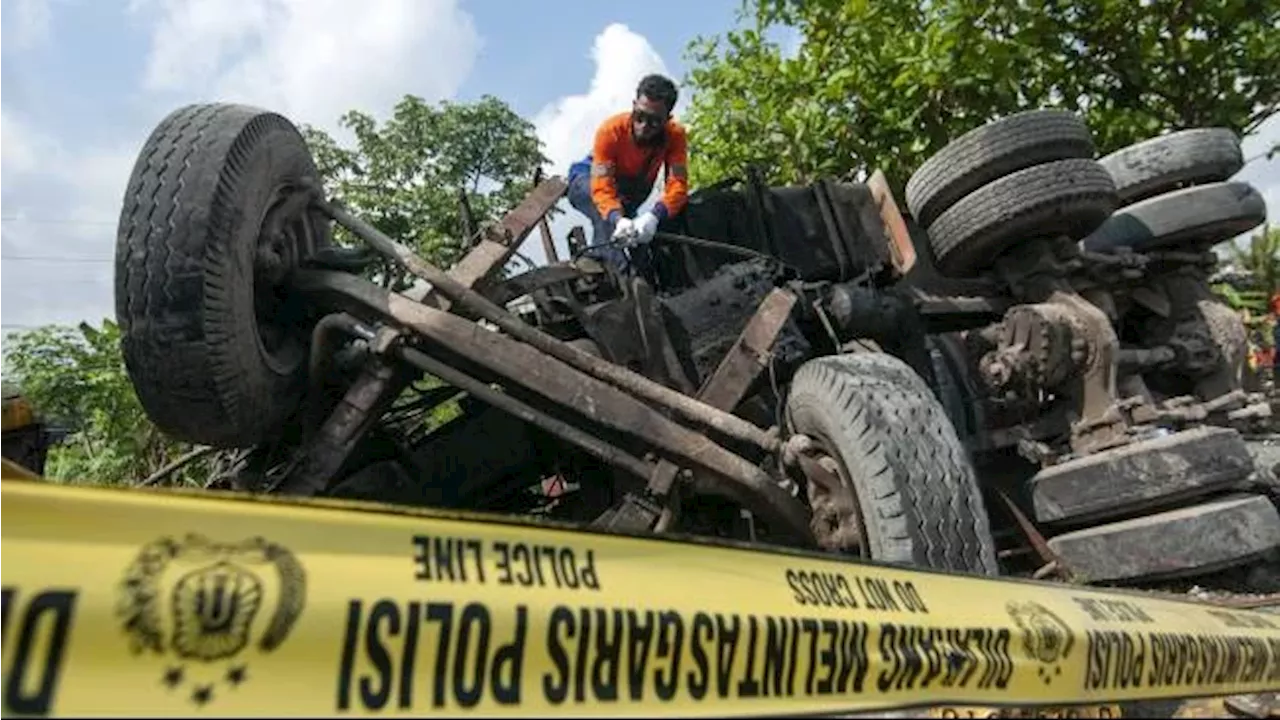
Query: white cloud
point(310, 59)
point(60, 206)
point(21, 146)
point(567, 126)
point(28, 25)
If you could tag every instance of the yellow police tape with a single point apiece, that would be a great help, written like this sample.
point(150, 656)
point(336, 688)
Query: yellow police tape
point(164, 603)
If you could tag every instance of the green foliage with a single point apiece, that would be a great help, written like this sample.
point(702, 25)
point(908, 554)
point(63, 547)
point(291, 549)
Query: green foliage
point(886, 83)
point(1260, 258)
point(406, 176)
point(1235, 298)
point(75, 378)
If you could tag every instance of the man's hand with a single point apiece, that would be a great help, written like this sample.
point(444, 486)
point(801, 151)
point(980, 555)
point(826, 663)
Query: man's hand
point(625, 231)
point(646, 226)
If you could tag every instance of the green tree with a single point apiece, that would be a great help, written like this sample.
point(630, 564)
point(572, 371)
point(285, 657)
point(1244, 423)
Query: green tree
point(75, 378)
point(407, 175)
point(1254, 268)
point(886, 83)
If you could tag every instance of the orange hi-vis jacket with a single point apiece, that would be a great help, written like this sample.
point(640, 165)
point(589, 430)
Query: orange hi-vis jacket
point(623, 172)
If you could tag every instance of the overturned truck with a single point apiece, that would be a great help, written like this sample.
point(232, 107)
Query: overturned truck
point(1022, 374)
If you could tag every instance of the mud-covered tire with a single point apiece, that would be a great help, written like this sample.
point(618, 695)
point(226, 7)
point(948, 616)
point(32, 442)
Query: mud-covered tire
point(919, 497)
point(1189, 541)
point(892, 369)
point(1140, 476)
point(1067, 197)
point(990, 152)
point(1199, 216)
point(186, 298)
point(1173, 161)
point(878, 365)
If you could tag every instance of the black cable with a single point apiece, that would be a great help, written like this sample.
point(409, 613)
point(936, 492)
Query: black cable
point(695, 242)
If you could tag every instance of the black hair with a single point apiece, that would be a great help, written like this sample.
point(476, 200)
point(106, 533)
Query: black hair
point(660, 88)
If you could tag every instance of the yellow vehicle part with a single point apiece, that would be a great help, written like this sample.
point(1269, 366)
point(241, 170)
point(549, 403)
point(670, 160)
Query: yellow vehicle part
point(17, 411)
point(167, 603)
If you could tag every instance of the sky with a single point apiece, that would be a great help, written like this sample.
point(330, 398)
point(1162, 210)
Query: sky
point(84, 82)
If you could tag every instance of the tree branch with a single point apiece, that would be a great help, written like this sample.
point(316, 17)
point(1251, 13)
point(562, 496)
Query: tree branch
point(176, 465)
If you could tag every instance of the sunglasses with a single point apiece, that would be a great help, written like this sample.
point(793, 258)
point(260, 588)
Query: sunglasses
point(647, 118)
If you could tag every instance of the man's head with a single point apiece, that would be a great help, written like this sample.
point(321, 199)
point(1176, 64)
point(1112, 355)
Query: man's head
point(655, 98)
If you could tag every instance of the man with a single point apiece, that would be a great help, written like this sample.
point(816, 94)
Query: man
point(629, 149)
point(1275, 338)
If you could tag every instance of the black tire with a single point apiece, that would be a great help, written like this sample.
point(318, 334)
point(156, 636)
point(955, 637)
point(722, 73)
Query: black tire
point(1067, 197)
point(890, 368)
point(883, 366)
point(919, 497)
point(196, 324)
point(1198, 216)
point(992, 151)
point(1189, 541)
point(1176, 160)
point(1141, 476)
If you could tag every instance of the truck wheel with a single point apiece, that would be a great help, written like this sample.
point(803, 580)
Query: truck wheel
point(1067, 197)
point(883, 366)
point(900, 487)
point(1199, 216)
point(1173, 161)
point(992, 151)
point(1140, 476)
point(891, 369)
point(214, 346)
point(1188, 541)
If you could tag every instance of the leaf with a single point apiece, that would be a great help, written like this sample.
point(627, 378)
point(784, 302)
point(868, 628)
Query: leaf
point(405, 175)
point(921, 73)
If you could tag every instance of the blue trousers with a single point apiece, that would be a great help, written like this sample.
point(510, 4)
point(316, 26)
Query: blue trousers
point(601, 227)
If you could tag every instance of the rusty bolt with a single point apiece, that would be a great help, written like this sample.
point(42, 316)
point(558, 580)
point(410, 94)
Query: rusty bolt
point(795, 446)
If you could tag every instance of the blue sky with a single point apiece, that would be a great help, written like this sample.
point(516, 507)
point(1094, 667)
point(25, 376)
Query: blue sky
point(85, 80)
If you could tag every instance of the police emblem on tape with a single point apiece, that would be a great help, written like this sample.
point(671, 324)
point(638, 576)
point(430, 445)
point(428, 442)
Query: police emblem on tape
point(206, 607)
point(1046, 639)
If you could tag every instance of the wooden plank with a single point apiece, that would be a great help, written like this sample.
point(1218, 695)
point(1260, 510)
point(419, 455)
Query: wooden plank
point(500, 241)
point(902, 252)
point(548, 242)
point(503, 239)
point(747, 358)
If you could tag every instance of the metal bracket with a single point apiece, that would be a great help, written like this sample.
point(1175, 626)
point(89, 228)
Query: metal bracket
point(726, 387)
point(379, 382)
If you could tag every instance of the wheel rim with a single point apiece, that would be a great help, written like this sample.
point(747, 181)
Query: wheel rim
point(286, 234)
point(838, 522)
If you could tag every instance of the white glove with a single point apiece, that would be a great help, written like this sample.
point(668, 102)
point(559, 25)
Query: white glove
point(625, 230)
point(646, 226)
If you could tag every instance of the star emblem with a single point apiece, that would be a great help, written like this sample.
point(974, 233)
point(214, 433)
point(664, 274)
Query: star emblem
point(236, 675)
point(173, 677)
point(202, 694)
